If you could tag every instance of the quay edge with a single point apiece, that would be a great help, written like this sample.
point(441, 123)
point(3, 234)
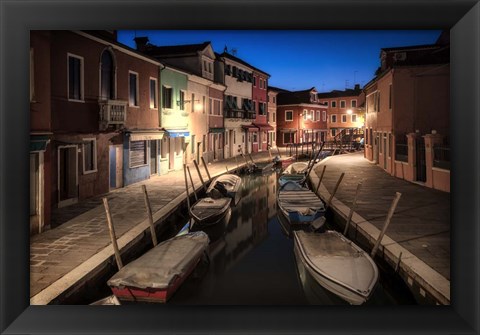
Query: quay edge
point(424, 282)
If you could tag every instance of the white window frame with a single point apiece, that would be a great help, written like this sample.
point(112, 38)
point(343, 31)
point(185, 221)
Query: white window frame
point(179, 99)
point(305, 113)
point(94, 158)
point(343, 117)
point(331, 118)
point(355, 117)
point(351, 103)
point(344, 103)
point(82, 77)
point(333, 132)
point(288, 111)
point(171, 97)
point(155, 107)
point(210, 106)
point(137, 88)
point(325, 103)
point(334, 103)
point(317, 115)
point(324, 116)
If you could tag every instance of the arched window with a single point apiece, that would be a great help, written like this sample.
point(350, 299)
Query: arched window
point(107, 74)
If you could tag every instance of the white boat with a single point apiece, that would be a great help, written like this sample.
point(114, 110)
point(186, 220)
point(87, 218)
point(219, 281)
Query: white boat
point(299, 204)
point(208, 211)
point(296, 168)
point(228, 185)
point(107, 301)
point(337, 264)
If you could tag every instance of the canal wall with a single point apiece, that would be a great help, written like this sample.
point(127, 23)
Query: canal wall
point(426, 284)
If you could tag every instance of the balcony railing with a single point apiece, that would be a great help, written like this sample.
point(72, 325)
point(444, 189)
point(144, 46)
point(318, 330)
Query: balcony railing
point(112, 112)
point(234, 113)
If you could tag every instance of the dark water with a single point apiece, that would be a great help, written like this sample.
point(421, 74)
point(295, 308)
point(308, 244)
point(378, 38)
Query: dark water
point(252, 261)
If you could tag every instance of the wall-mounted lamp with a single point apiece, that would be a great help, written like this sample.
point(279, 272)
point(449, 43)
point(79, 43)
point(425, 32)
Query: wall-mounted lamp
point(349, 111)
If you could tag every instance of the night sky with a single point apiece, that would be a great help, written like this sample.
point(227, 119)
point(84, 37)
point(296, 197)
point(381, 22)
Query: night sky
point(299, 59)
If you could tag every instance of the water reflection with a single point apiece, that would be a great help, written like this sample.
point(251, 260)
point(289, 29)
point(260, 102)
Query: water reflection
point(252, 260)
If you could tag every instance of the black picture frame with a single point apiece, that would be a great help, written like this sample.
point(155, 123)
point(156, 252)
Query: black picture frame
point(18, 18)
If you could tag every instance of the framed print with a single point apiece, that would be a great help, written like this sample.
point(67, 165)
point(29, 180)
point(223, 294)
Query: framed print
point(461, 18)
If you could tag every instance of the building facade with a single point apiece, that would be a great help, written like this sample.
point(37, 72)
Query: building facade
point(407, 114)
point(260, 103)
point(272, 117)
point(300, 117)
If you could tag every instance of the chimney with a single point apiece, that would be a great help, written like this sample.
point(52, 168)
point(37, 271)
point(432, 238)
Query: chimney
point(141, 42)
point(357, 87)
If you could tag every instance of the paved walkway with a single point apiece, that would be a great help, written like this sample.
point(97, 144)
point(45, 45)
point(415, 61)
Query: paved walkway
point(61, 256)
point(420, 226)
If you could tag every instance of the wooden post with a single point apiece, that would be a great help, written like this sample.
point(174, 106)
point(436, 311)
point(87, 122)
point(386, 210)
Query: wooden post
point(397, 266)
point(270, 154)
point(199, 174)
point(310, 168)
point(352, 209)
point(335, 190)
point(186, 186)
point(387, 222)
point(279, 154)
point(193, 185)
point(206, 169)
point(250, 155)
point(149, 214)
point(320, 180)
point(113, 238)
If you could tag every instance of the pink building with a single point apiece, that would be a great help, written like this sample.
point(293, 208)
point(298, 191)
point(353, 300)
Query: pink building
point(260, 101)
point(407, 114)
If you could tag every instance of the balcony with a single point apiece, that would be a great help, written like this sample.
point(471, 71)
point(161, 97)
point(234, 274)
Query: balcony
point(234, 113)
point(250, 115)
point(112, 113)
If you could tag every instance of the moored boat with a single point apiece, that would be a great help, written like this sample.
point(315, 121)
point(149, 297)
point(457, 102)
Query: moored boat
point(228, 185)
point(296, 168)
point(155, 276)
point(208, 211)
point(298, 204)
point(337, 264)
point(263, 167)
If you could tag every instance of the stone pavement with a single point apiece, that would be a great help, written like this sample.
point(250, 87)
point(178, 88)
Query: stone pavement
point(80, 240)
point(420, 226)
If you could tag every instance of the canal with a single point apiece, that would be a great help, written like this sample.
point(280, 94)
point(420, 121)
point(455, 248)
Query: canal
point(252, 261)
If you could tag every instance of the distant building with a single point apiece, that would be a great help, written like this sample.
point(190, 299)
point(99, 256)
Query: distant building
point(408, 111)
point(346, 113)
point(260, 101)
point(300, 117)
point(272, 117)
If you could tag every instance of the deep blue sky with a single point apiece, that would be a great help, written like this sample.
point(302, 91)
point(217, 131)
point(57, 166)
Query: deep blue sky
point(299, 59)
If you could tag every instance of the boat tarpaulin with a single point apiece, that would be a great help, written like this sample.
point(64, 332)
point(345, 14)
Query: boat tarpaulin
point(159, 266)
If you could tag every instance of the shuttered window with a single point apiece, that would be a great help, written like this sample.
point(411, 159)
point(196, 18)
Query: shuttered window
point(138, 153)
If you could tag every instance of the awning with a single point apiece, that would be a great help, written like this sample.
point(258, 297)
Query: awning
point(178, 133)
point(249, 127)
point(263, 126)
point(38, 143)
point(143, 135)
point(216, 130)
point(286, 130)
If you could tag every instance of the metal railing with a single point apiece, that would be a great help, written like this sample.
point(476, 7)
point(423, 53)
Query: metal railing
point(401, 152)
point(441, 157)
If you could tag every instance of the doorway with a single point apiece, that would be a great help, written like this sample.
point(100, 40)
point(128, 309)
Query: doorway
point(153, 157)
point(67, 175)
point(116, 166)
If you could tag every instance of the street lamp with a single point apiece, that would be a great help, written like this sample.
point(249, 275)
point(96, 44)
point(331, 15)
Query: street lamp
point(349, 111)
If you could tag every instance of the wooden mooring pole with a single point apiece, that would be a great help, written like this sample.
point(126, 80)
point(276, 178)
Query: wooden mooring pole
point(150, 216)
point(320, 180)
point(206, 169)
point(186, 186)
point(199, 174)
point(387, 222)
point(193, 185)
point(352, 209)
point(335, 190)
point(113, 238)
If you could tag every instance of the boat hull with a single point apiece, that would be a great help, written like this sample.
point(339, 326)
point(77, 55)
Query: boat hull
point(232, 185)
point(350, 294)
point(205, 215)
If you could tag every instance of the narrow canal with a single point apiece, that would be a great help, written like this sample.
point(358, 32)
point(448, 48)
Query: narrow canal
point(252, 261)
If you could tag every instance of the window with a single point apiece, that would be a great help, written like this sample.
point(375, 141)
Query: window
point(204, 142)
point(274, 117)
point(210, 106)
point(166, 97)
point(288, 115)
point(89, 155)
point(334, 118)
point(325, 103)
point(353, 103)
point(317, 116)
point(263, 108)
point(287, 138)
point(181, 100)
point(274, 100)
point(255, 137)
point(138, 153)
point(334, 104)
point(193, 102)
point(343, 104)
point(313, 97)
point(312, 115)
point(204, 104)
point(324, 116)
point(305, 114)
point(133, 89)
point(32, 76)
point(34, 182)
point(107, 80)
point(193, 144)
point(334, 132)
point(216, 107)
point(344, 118)
point(153, 93)
point(354, 117)
point(226, 138)
point(75, 78)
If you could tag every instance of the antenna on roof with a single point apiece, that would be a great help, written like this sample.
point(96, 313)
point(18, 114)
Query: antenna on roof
point(233, 51)
point(346, 84)
point(225, 49)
